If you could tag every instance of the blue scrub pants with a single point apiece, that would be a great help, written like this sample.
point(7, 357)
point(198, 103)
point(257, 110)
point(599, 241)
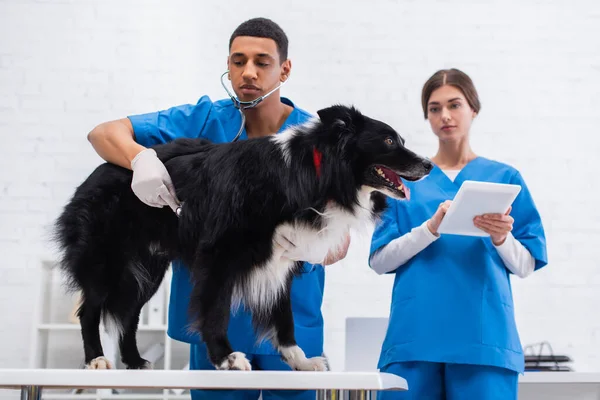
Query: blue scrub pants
point(199, 361)
point(437, 381)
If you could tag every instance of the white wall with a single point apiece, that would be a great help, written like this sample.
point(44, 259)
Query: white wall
point(66, 66)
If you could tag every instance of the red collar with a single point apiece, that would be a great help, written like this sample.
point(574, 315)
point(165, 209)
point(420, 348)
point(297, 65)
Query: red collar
point(317, 155)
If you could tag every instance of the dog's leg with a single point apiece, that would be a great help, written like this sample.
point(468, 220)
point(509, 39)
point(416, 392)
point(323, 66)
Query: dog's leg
point(280, 329)
point(212, 306)
point(130, 354)
point(131, 299)
point(89, 318)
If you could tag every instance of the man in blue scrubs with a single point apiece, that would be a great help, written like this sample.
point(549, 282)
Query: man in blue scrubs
point(257, 64)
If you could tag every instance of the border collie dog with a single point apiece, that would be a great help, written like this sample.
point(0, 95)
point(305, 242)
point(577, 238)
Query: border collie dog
point(309, 184)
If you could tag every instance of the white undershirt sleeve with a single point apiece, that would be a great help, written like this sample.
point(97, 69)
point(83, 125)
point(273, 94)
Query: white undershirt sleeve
point(402, 249)
point(516, 257)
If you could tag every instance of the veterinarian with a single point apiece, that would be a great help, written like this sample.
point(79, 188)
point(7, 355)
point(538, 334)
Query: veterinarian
point(257, 63)
point(452, 331)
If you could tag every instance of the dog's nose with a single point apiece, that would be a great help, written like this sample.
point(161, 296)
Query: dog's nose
point(428, 164)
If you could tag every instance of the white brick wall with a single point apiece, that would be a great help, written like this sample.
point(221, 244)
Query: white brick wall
point(67, 65)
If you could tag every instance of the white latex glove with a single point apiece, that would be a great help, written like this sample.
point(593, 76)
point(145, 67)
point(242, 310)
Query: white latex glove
point(292, 252)
point(314, 254)
point(151, 182)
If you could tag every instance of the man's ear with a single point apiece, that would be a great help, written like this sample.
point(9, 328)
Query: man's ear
point(286, 70)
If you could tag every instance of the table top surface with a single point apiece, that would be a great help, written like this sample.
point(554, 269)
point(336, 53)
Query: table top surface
point(181, 379)
point(284, 380)
point(560, 377)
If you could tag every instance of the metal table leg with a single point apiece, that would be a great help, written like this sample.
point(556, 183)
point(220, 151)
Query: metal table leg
point(358, 395)
point(328, 394)
point(31, 393)
point(334, 394)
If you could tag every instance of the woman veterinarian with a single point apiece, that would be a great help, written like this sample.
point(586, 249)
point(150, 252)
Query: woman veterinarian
point(452, 331)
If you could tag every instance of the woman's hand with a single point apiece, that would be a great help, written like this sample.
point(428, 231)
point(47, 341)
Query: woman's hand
point(434, 222)
point(497, 225)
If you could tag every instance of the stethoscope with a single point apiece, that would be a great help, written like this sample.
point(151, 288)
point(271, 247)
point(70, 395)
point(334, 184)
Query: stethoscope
point(243, 105)
point(240, 105)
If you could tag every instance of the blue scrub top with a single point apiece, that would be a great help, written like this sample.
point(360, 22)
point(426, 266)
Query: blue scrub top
point(452, 302)
point(219, 122)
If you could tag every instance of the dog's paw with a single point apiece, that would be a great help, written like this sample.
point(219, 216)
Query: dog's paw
point(294, 357)
point(235, 361)
point(311, 364)
point(99, 363)
point(144, 364)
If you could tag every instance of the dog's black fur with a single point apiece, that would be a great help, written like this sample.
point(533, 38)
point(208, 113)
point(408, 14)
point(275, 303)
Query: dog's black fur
point(116, 249)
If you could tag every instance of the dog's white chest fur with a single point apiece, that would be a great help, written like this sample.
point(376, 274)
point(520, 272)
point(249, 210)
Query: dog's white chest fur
point(306, 243)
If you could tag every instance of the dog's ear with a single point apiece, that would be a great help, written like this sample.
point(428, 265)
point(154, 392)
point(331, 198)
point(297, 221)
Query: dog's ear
point(341, 124)
point(337, 116)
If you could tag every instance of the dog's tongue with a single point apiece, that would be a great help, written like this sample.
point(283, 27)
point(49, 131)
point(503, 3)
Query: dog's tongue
point(406, 191)
point(397, 181)
point(392, 177)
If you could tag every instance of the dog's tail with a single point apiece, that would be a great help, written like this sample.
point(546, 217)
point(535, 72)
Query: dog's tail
point(80, 231)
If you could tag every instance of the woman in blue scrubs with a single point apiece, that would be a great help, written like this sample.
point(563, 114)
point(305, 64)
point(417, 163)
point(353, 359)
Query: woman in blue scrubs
point(452, 331)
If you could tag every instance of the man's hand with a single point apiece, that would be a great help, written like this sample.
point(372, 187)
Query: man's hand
point(497, 225)
point(151, 182)
point(292, 251)
point(335, 255)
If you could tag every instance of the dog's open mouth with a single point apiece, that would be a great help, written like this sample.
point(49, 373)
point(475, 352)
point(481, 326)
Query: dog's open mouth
point(391, 180)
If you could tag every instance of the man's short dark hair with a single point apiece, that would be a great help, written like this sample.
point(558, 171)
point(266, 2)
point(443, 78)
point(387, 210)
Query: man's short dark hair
point(265, 28)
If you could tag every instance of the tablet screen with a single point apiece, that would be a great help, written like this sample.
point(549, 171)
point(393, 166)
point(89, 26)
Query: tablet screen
point(476, 198)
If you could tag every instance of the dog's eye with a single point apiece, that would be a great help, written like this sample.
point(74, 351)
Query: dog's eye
point(389, 141)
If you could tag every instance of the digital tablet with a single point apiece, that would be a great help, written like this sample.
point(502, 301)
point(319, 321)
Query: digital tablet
point(476, 198)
